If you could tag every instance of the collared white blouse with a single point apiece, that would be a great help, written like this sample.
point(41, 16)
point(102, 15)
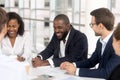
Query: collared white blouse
point(22, 46)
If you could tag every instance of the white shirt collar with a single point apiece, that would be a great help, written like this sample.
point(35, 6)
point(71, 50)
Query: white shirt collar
point(67, 35)
point(105, 40)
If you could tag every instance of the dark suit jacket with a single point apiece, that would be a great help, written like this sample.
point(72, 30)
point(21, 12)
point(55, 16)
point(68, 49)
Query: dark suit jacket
point(76, 48)
point(107, 62)
point(115, 75)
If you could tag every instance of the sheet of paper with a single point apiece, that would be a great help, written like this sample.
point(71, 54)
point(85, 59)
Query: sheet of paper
point(56, 73)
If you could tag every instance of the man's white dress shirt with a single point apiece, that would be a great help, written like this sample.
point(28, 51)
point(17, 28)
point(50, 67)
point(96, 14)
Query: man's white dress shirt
point(62, 50)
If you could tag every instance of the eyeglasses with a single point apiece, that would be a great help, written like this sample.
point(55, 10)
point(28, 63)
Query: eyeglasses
point(92, 24)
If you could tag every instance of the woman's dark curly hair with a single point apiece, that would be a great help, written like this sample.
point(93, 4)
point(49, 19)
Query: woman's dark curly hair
point(13, 15)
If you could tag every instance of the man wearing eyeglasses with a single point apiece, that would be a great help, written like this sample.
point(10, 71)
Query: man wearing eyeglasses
point(102, 22)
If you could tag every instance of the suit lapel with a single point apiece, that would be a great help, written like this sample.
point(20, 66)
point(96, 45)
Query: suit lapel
point(108, 45)
point(57, 47)
point(106, 52)
point(70, 37)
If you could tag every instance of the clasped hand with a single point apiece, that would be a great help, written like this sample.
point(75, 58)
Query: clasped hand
point(20, 58)
point(69, 67)
point(36, 62)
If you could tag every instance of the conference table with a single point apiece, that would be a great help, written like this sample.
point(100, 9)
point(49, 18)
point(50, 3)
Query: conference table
point(49, 73)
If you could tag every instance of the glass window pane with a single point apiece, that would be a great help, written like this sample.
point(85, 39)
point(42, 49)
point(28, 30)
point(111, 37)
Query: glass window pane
point(47, 3)
point(26, 3)
point(26, 13)
point(16, 3)
point(2, 3)
point(27, 24)
point(69, 3)
point(46, 22)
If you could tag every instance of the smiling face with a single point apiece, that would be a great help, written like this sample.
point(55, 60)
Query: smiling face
point(61, 29)
point(12, 28)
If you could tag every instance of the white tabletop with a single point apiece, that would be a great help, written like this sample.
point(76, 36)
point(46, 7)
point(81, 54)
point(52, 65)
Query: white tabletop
point(56, 73)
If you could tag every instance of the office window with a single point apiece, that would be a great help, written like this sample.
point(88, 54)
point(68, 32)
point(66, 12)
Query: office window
point(69, 3)
point(113, 3)
point(58, 4)
point(47, 3)
point(2, 3)
point(46, 23)
point(16, 3)
point(46, 41)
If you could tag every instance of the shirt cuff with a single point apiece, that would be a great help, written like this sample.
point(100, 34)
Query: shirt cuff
point(51, 62)
point(77, 72)
point(40, 57)
point(74, 64)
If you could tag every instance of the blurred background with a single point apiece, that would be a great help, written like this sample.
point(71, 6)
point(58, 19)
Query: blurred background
point(38, 17)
